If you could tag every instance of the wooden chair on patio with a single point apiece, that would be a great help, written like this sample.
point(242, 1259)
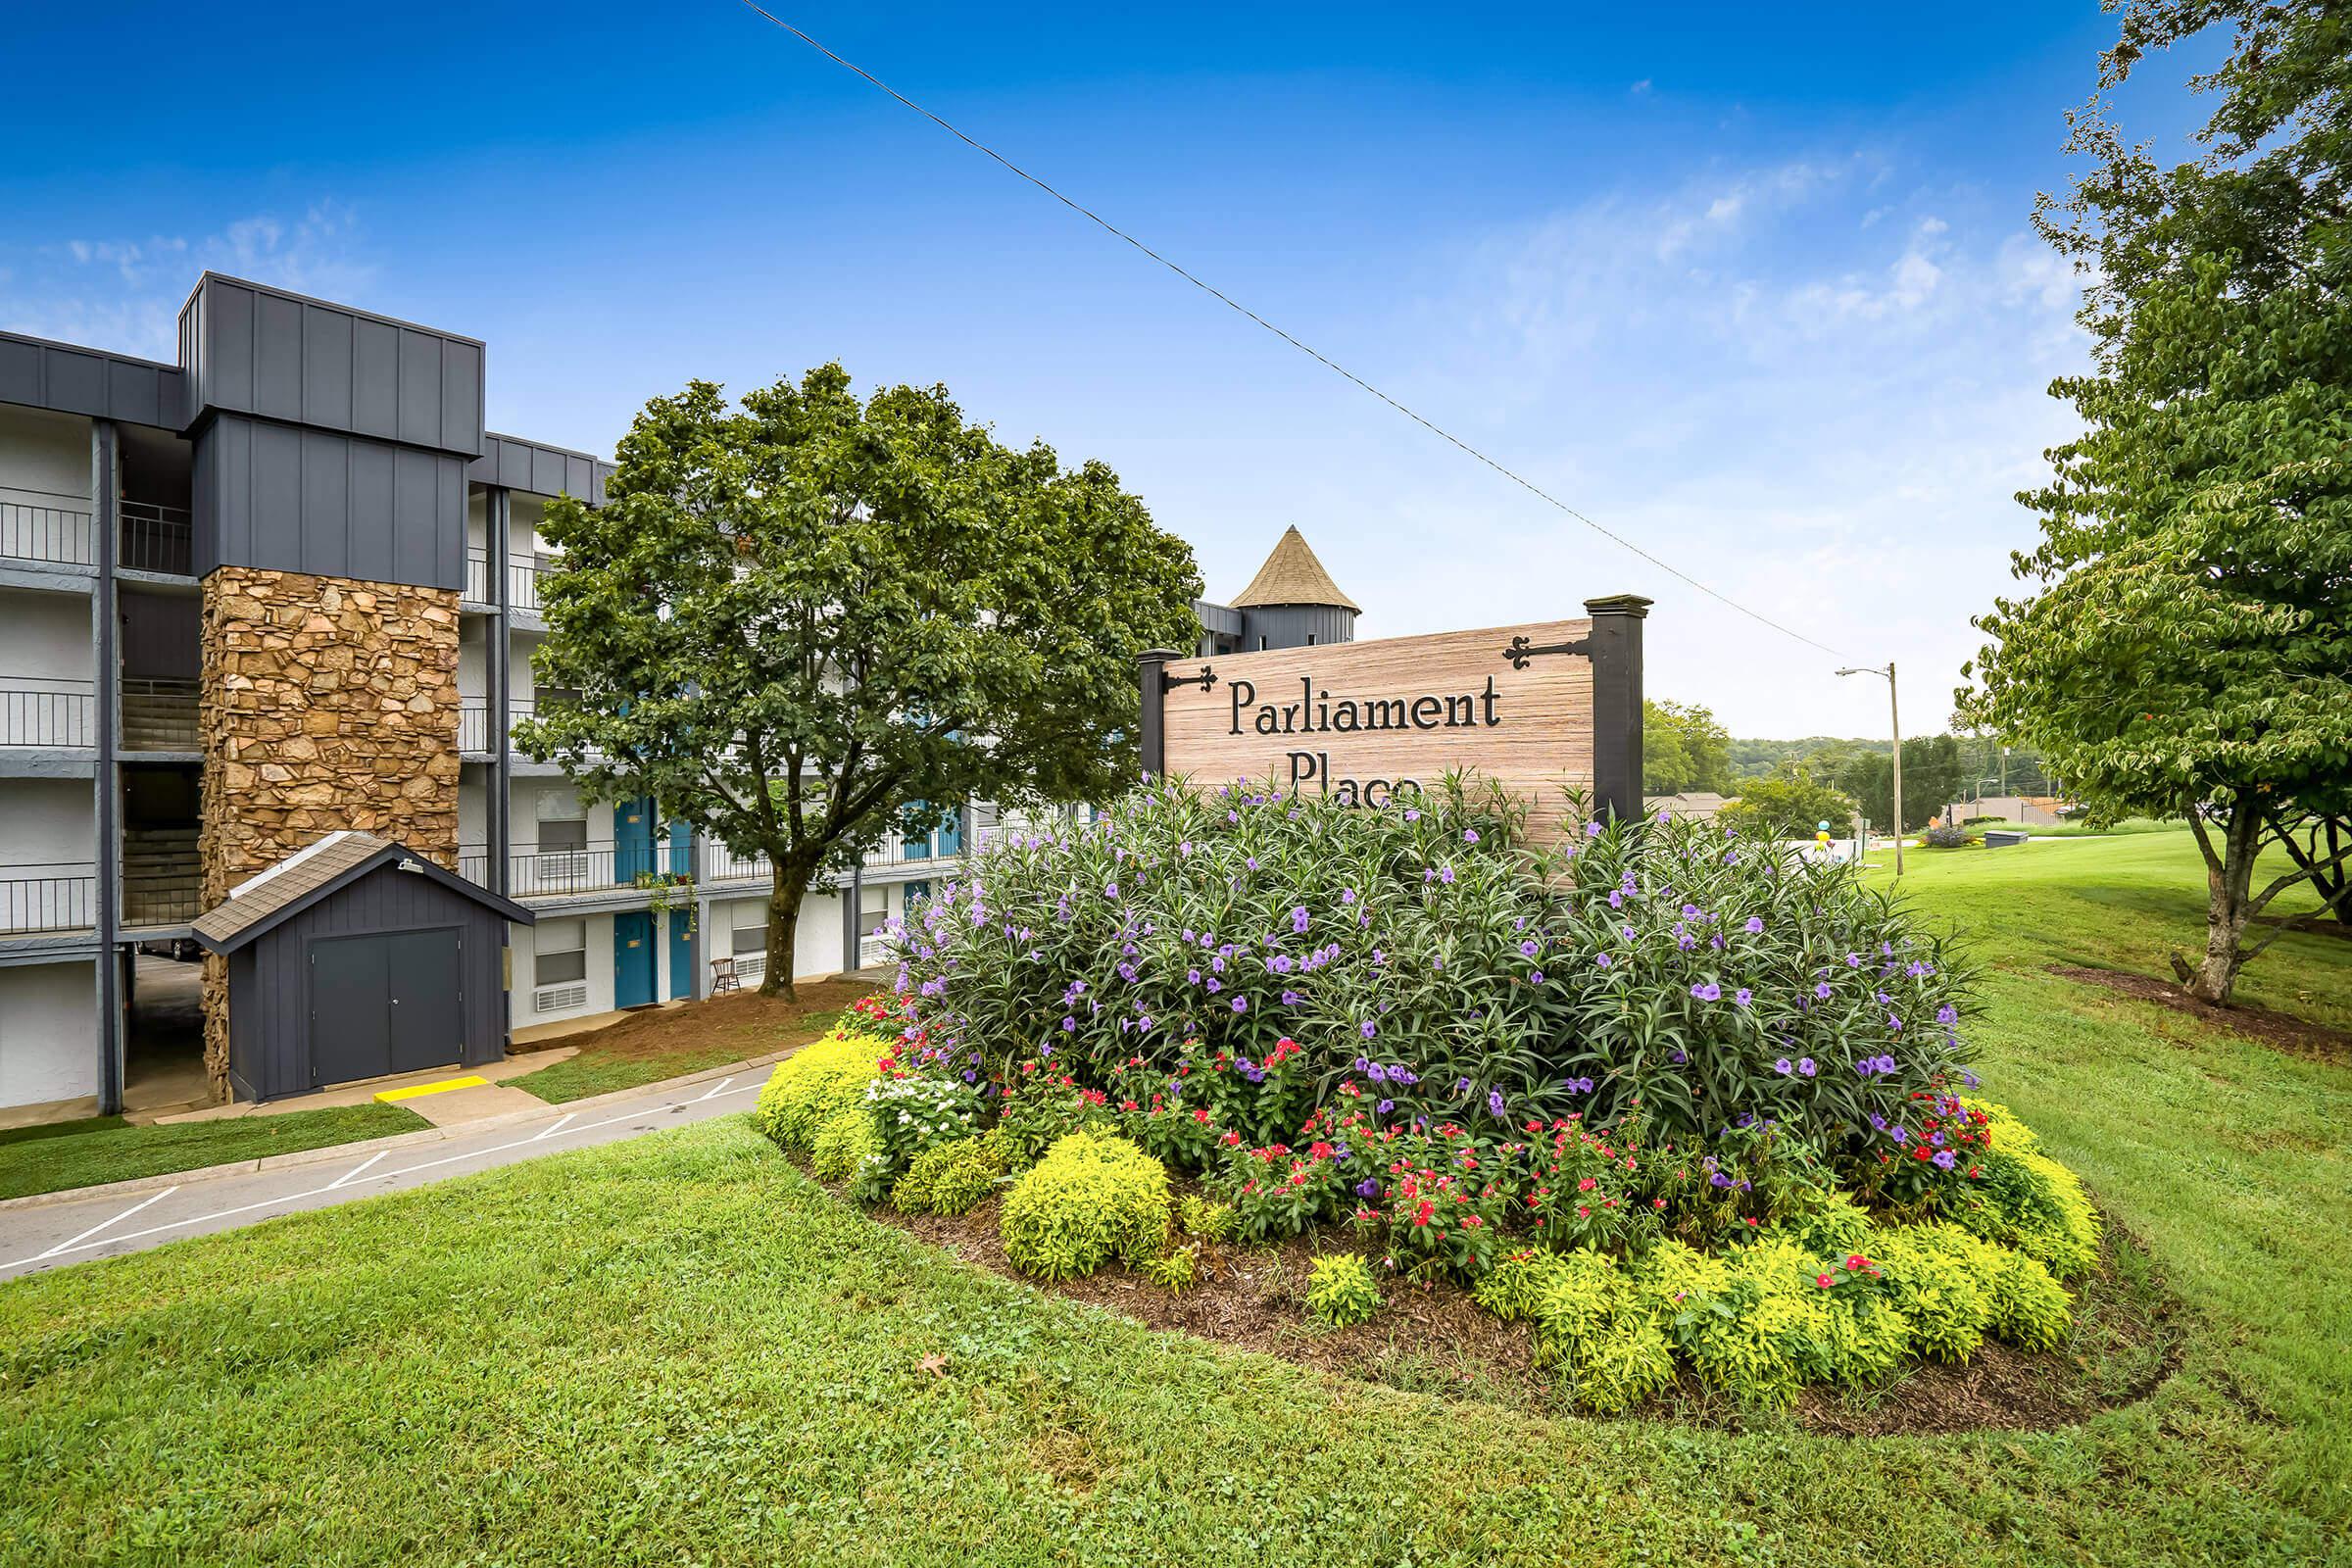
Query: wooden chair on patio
point(722, 976)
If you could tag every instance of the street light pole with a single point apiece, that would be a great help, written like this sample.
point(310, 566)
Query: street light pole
point(1894, 717)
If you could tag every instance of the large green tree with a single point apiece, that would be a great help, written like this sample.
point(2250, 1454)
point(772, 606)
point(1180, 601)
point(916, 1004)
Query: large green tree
point(2186, 645)
point(1789, 808)
point(804, 621)
point(1683, 749)
point(1931, 778)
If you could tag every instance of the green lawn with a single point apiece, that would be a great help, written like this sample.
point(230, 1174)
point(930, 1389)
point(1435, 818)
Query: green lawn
point(679, 1350)
point(672, 1042)
point(2077, 830)
point(108, 1149)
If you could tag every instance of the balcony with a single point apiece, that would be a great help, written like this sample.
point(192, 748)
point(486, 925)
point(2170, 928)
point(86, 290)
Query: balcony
point(35, 525)
point(160, 715)
point(36, 713)
point(523, 573)
point(48, 897)
point(473, 724)
point(162, 880)
point(156, 538)
point(571, 873)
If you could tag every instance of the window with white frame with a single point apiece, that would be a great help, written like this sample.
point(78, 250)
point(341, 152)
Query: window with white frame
point(562, 953)
point(750, 938)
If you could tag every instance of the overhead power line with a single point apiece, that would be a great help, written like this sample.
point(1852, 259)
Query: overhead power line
point(1227, 300)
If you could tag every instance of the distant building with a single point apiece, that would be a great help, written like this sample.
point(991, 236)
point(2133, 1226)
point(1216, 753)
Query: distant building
point(1696, 805)
point(1292, 602)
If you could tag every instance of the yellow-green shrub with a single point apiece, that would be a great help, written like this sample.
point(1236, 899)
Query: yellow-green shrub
point(951, 1178)
point(809, 1087)
point(1091, 1198)
point(1591, 1321)
point(2029, 1309)
point(1513, 1288)
point(2028, 1201)
point(1210, 1221)
point(1940, 1278)
point(1175, 1270)
point(1340, 1290)
point(842, 1144)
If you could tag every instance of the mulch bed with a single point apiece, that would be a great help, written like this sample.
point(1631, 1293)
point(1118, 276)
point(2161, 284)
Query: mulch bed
point(1436, 1339)
point(2298, 1037)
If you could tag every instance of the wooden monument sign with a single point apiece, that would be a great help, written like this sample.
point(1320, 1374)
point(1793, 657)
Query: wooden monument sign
point(1534, 707)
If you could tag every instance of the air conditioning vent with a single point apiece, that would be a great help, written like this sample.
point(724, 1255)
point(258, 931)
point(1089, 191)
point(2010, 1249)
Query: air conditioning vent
point(554, 999)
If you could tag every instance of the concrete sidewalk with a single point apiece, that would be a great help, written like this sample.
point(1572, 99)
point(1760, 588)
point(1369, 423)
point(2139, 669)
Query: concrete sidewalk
point(50, 1229)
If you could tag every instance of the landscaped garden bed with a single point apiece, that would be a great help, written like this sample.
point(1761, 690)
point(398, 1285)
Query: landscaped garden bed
point(1645, 1121)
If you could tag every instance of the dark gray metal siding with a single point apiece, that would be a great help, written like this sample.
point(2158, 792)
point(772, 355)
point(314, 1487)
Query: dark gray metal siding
point(42, 374)
point(539, 469)
point(259, 351)
point(1292, 625)
point(268, 1003)
point(295, 499)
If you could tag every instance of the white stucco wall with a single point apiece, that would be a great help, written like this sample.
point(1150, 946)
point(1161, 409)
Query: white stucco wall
point(48, 1033)
point(47, 821)
point(598, 980)
point(44, 458)
point(45, 638)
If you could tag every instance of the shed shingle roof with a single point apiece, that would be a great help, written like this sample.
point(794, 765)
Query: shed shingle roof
point(308, 873)
point(1292, 576)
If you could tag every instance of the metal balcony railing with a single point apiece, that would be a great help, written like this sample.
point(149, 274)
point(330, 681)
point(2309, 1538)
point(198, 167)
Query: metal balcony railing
point(473, 724)
point(567, 873)
point(48, 897)
point(477, 576)
point(161, 714)
point(37, 526)
point(47, 715)
point(155, 537)
point(522, 579)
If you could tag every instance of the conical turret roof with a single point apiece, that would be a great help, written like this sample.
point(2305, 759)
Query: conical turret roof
point(1292, 576)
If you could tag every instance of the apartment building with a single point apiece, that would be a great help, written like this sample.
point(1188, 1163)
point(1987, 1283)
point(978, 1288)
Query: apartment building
point(289, 586)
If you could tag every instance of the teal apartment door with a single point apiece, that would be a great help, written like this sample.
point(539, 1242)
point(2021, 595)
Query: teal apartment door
point(681, 955)
point(633, 960)
point(632, 842)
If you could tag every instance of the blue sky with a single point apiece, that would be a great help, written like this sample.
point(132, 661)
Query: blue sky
point(1753, 285)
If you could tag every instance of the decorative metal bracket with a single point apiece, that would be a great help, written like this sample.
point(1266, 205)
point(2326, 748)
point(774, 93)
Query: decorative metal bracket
point(1520, 651)
point(1205, 680)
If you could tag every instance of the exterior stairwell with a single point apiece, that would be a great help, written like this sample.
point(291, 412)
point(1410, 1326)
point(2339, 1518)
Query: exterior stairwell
point(159, 715)
point(161, 882)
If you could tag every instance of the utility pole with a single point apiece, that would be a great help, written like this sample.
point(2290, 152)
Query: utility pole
point(1895, 719)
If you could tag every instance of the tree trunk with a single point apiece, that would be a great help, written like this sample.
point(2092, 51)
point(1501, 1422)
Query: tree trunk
point(783, 929)
point(2228, 889)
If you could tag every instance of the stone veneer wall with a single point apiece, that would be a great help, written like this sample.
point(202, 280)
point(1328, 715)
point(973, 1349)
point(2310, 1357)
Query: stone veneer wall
point(327, 704)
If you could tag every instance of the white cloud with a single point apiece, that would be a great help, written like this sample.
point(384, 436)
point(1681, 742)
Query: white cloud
point(125, 294)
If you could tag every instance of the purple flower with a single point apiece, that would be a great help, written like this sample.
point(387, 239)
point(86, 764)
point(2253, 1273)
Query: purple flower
point(1445, 875)
point(1469, 835)
point(1191, 977)
point(1216, 985)
point(1755, 924)
point(1377, 1074)
point(1367, 1188)
point(1593, 829)
point(1291, 999)
point(1603, 959)
point(1299, 920)
point(1744, 995)
point(1535, 977)
point(1411, 815)
point(1804, 1064)
point(1709, 992)
point(1241, 1003)
point(1110, 889)
point(1719, 1179)
point(1947, 1015)
point(1069, 1024)
point(1689, 911)
point(1945, 1158)
point(1366, 1029)
point(1528, 948)
point(1384, 1106)
point(1781, 1066)
point(1822, 990)
point(1494, 1101)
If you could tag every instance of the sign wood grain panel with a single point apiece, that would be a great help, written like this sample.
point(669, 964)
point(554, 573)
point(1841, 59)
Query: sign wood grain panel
point(1360, 719)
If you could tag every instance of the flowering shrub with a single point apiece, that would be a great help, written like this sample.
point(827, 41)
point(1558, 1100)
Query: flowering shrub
point(1236, 961)
point(1091, 1200)
point(1210, 1222)
point(1278, 1191)
point(913, 1113)
point(808, 1088)
point(1340, 1290)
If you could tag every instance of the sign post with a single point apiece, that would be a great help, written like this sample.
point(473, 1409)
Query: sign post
point(1536, 708)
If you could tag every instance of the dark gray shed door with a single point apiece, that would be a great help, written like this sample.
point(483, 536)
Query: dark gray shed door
point(386, 1003)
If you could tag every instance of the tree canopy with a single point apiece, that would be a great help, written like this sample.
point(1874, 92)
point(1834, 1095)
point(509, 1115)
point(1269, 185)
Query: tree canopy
point(804, 620)
point(1790, 808)
point(1932, 781)
point(2185, 644)
point(1683, 749)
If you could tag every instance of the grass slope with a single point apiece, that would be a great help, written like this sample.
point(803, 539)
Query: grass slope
point(108, 1149)
point(672, 1042)
point(680, 1351)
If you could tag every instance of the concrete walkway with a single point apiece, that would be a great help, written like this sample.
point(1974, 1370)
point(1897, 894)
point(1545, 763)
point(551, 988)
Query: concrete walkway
point(54, 1229)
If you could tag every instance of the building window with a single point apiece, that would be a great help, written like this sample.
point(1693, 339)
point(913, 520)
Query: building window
point(563, 952)
point(873, 909)
point(750, 939)
point(558, 838)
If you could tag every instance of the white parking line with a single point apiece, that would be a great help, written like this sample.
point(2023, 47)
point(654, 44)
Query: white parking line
point(713, 1092)
point(353, 1174)
point(81, 1243)
point(556, 1127)
point(104, 1223)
